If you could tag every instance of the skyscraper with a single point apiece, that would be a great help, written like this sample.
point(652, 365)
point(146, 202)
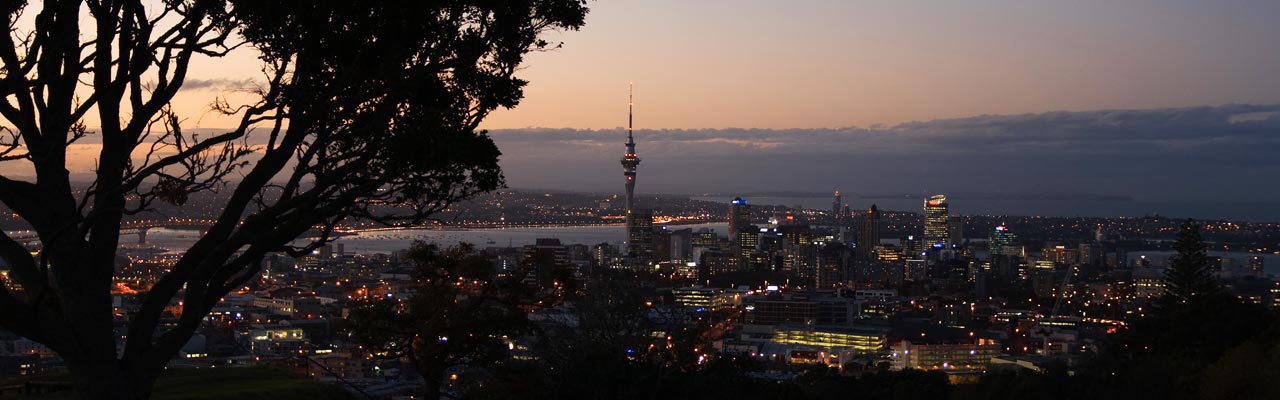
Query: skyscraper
point(955, 231)
point(935, 222)
point(640, 238)
point(835, 207)
point(739, 217)
point(1004, 242)
point(868, 236)
point(629, 163)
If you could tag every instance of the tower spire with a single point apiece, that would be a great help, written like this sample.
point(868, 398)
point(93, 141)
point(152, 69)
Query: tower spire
point(631, 102)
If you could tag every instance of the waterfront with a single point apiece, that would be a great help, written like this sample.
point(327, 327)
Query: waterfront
point(387, 241)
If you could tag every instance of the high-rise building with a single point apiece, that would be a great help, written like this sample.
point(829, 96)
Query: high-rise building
point(1004, 242)
point(936, 217)
point(629, 163)
point(835, 207)
point(739, 217)
point(1256, 265)
point(955, 231)
point(912, 248)
point(868, 236)
point(640, 244)
point(748, 240)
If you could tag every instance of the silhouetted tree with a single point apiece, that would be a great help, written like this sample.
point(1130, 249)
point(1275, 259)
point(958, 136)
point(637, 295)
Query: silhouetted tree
point(364, 103)
point(1189, 276)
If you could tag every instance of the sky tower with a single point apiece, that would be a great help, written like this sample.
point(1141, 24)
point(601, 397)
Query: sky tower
point(629, 163)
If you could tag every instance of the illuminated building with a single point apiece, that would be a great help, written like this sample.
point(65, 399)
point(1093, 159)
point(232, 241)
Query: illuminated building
point(1256, 265)
point(539, 261)
point(739, 217)
point(703, 238)
point(835, 208)
point(861, 339)
point(945, 356)
point(1004, 242)
point(936, 217)
point(605, 254)
point(832, 265)
point(708, 299)
point(748, 240)
point(912, 248)
point(1148, 283)
point(1061, 255)
point(277, 340)
point(640, 235)
point(714, 262)
point(868, 236)
point(629, 163)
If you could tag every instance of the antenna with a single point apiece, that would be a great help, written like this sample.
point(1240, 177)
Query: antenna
point(631, 102)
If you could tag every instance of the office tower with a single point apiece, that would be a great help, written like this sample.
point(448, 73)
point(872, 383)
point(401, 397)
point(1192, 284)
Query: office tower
point(832, 265)
point(542, 261)
point(605, 254)
point(935, 222)
point(682, 245)
point(748, 240)
point(835, 207)
point(629, 163)
point(1256, 265)
point(955, 232)
point(912, 248)
point(868, 236)
point(1004, 242)
point(640, 236)
point(739, 217)
point(1091, 254)
point(704, 238)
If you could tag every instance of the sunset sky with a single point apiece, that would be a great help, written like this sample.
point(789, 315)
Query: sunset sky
point(1143, 101)
point(840, 63)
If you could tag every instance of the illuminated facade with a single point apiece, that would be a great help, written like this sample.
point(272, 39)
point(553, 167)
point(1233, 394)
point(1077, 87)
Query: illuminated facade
point(858, 339)
point(935, 222)
point(1004, 243)
point(739, 216)
point(700, 298)
point(949, 357)
point(640, 245)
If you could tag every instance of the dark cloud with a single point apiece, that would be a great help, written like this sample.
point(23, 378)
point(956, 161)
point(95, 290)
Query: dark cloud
point(218, 84)
point(1069, 131)
point(1197, 154)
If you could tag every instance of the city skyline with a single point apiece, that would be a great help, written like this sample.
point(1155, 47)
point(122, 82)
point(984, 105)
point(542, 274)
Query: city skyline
point(841, 198)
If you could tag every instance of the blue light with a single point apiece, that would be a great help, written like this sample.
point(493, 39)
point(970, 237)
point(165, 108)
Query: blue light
point(937, 245)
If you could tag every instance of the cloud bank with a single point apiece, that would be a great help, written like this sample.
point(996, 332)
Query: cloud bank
point(1198, 154)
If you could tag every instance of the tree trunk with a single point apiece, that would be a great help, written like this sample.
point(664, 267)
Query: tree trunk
point(433, 383)
point(109, 380)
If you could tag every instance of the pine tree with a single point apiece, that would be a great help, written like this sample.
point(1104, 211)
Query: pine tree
point(1189, 275)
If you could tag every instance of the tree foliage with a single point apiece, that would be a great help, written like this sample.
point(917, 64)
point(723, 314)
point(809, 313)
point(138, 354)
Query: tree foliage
point(1190, 275)
point(461, 314)
point(363, 103)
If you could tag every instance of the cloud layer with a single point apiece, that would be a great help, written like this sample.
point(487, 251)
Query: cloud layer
point(1197, 154)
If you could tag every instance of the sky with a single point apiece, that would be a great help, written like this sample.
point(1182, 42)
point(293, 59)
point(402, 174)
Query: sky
point(1144, 102)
